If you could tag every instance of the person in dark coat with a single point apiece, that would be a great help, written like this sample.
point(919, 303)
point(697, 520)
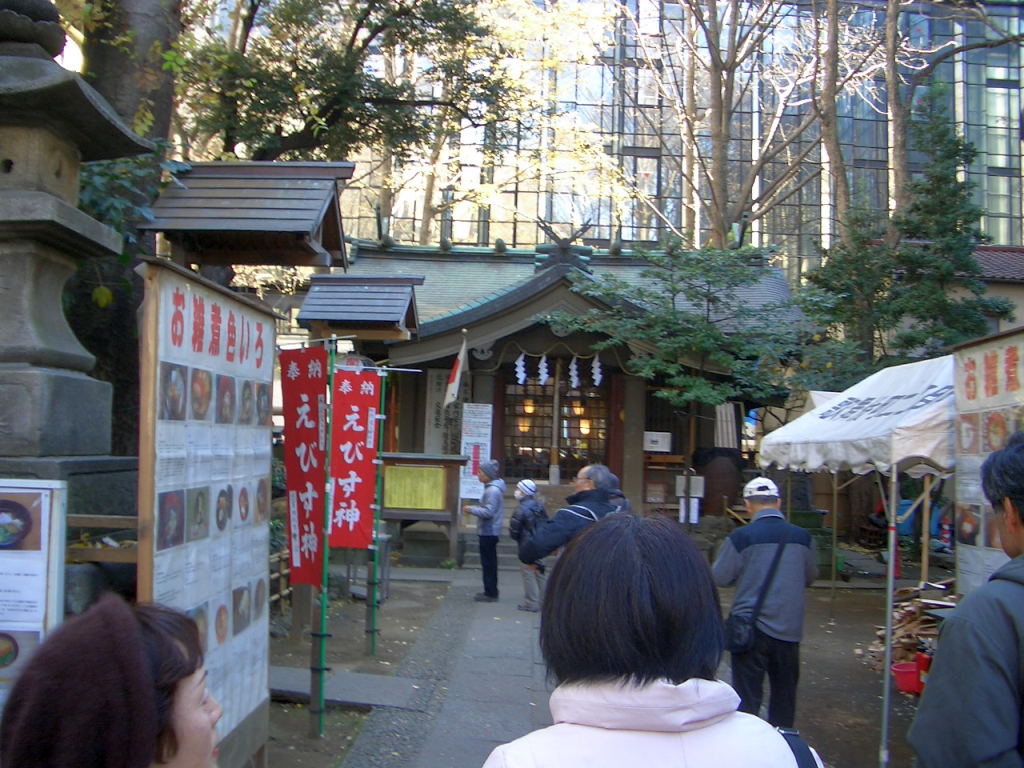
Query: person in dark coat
point(618, 498)
point(524, 521)
point(586, 506)
point(972, 709)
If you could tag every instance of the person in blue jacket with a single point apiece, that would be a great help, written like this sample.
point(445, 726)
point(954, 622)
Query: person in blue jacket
point(586, 506)
point(489, 514)
point(971, 711)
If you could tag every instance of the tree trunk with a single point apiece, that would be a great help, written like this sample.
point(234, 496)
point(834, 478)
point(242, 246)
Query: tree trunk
point(899, 111)
point(123, 55)
point(829, 122)
point(719, 181)
point(430, 183)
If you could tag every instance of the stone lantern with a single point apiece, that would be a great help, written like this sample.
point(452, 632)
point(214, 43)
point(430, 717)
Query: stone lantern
point(50, 122)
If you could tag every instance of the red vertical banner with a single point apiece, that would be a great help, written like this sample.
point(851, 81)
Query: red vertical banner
point(304, 396)
point(353, 452)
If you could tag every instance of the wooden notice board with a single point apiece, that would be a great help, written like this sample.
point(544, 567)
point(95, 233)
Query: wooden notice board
point(409, 486)
point(207, 362)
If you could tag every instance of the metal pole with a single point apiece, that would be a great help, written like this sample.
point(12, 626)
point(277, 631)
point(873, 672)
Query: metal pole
point(926, 525)
point(835, 540)
point(320, 638)
point(890, 584)
point(373, 566)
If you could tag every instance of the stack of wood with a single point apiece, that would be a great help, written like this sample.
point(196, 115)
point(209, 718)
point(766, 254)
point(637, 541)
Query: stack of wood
point(910, 623)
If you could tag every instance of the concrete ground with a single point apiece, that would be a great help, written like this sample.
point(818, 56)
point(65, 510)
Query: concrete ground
point(481, 682)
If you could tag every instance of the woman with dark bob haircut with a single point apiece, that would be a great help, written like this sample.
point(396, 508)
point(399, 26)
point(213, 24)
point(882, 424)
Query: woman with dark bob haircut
point(118, 687)
point(631, 629)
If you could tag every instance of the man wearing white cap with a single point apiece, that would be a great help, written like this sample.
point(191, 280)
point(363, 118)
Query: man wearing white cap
point(771, 562)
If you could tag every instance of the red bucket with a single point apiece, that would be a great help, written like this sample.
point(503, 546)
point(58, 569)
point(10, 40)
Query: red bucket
point(908, 678)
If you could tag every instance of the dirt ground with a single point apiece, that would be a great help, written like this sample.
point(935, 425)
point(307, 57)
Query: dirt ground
point(409, 607)
point(839, 705)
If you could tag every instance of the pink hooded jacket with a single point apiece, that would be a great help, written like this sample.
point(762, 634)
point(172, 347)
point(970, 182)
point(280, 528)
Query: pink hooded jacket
point(692, 725)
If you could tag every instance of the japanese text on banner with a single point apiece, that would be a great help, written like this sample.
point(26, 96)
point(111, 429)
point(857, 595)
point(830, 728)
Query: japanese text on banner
point(353, 451)
point(303, 390)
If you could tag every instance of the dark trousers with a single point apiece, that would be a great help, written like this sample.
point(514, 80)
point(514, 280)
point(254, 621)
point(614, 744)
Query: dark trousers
point(489, 564)
point(781, 660)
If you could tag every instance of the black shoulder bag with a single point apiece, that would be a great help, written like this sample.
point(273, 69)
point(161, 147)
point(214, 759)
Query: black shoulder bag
point(739, 630)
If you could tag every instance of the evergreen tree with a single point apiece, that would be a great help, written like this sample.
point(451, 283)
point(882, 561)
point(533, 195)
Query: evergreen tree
point(939, 293)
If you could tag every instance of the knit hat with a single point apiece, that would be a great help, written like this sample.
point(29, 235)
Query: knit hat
point(86, 698)
point(527, 486)
point(760, 486)
point(489, 468)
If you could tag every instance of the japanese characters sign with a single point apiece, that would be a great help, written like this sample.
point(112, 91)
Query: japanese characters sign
point(31, 571)
point(204, 489)
point(990, 408)
point(304, 391)
point(476, 443)
point(355, 406)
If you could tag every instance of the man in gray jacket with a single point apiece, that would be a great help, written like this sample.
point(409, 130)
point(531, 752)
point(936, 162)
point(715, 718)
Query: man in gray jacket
point(745, 560)
point(489, 514)
point(971, 712)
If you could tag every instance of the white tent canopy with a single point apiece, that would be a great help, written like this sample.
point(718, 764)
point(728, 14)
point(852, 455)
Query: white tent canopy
point(900, 419)
point(902, 415)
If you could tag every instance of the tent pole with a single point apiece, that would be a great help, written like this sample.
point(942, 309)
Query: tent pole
point(926, 525)
point(890, 583)
point(835, 537)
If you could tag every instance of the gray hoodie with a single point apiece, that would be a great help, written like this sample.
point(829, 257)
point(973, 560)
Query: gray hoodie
point(971, 713)
point(490, 512)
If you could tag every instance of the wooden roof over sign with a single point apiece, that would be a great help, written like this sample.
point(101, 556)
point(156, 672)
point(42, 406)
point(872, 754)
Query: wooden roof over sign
point(278, 213)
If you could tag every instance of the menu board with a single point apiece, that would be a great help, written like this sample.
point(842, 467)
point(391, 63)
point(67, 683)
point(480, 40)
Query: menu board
point(31, 571)
point(990, 408)
point(204, 497)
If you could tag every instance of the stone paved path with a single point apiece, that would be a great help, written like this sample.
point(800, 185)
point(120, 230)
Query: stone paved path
point(479, 683)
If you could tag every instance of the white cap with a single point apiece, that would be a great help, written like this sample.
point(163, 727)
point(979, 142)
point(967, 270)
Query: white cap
point(760, 486)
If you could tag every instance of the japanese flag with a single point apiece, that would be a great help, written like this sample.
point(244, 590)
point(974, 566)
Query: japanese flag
point(455, 377)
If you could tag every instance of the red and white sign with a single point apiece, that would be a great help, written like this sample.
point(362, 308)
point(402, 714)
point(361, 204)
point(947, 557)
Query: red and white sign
point(304, 393)
point(353, 453)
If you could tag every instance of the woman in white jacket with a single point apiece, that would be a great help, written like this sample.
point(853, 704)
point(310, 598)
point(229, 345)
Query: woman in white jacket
point(631, 628)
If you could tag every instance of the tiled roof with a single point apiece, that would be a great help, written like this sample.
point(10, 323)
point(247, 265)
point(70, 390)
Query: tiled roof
point(466, 280)
point(1001, 262)
point(451, 281)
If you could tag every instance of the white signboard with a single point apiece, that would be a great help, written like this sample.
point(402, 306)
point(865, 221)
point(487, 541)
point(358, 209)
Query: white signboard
point(32, 536)
point(990, 408)
point(209, 500)
point(433, 431)
point(658, 442)
point(477, 419)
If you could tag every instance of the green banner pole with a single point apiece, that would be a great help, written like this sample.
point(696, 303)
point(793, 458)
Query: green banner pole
point(321, 671)
point(378, 501)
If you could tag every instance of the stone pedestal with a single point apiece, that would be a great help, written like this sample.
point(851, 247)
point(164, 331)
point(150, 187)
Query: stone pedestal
point(53, 412)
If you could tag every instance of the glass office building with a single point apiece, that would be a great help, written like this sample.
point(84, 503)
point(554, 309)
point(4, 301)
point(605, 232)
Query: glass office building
point(635, 194)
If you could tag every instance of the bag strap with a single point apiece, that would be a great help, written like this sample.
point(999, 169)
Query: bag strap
point(771, 576)
point(801, 751)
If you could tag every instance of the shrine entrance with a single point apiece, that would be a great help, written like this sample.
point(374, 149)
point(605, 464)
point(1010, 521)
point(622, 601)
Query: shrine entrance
point(540, 426)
